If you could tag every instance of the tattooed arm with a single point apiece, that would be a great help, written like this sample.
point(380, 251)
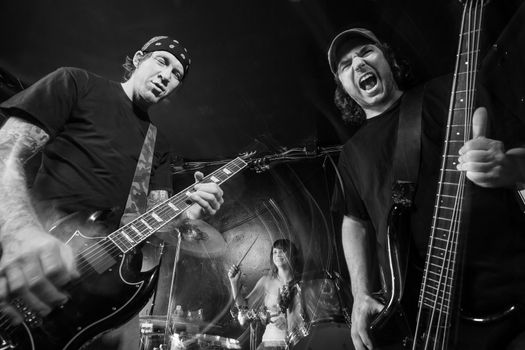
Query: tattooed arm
point(34, 264)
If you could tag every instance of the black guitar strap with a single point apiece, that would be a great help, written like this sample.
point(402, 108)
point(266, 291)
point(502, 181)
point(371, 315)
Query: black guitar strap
point(407, 154)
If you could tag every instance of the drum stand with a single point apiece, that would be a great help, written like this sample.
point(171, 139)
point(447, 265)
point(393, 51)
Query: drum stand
point(169, 330)
point(154, 297)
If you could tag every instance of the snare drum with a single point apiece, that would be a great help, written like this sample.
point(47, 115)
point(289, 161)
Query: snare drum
point(317, 317)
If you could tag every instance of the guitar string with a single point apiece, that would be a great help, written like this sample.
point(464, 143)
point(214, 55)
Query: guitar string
point(425, 280)
point(108, 249)
point(120, 241)
point(5, 321)
point(95, 254)
point(434, 325)
point(444, 326)
point(472, 48)
point(103, 252)
point(112, 246)
point(441, 331)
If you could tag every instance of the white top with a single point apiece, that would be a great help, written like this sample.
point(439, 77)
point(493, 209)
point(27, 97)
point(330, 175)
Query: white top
point(275, 332)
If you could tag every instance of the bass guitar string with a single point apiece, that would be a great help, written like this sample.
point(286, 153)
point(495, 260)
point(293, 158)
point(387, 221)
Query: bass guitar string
point(471, 67)
point(443, 323)
point(472, 49)
point(472, 52)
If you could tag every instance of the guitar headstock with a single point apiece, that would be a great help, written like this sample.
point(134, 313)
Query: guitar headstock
point(259, 164)
point(482, 2)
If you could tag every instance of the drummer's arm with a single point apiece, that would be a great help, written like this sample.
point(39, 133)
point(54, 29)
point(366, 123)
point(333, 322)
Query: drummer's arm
point(257, 292)
point(242, 303)
point(237, 298)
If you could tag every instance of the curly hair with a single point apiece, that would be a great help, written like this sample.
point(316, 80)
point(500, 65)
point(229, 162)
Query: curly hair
point(295, 261)
point(129, 67)
point(351, 112)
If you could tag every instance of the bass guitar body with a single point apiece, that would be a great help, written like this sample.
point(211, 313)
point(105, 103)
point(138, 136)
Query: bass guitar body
point(110, 290)
point(395, 324)
point(392, 325)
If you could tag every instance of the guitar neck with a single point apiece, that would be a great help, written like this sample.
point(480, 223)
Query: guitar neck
point(129, 236)
point(444, 254)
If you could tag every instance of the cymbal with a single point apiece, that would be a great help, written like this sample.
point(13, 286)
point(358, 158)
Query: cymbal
point(201, 239)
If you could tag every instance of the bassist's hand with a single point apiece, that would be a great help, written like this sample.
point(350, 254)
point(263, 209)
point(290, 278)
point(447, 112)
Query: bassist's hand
point(365, 307)
point(486, 161)
point(33, 267)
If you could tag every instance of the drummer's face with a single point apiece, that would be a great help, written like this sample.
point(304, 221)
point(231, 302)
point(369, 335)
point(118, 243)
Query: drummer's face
point(280, 257)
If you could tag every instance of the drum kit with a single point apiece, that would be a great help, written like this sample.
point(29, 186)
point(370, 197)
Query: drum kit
point(317, 314)
point(316, 310)
point(179, 330)
point(182, 334)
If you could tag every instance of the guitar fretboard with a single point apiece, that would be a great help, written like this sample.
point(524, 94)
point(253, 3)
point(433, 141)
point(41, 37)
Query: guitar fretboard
point(129, 236)
point(440, 277)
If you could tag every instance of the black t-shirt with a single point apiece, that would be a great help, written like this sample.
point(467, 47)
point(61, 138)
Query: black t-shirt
point(494, 272)
point(96, 138)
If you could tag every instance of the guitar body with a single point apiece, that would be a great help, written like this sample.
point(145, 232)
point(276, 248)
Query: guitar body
point(16, 337)
point(392, 324)
point(395, 324)
point(111, 291)
point(110, 288)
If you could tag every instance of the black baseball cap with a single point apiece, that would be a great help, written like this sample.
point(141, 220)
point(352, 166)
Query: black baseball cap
point(346, 39)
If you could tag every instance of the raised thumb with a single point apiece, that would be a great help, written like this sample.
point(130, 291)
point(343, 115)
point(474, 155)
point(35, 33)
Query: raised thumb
point(479, 122)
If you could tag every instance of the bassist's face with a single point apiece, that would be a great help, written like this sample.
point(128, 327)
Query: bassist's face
point(366, 76)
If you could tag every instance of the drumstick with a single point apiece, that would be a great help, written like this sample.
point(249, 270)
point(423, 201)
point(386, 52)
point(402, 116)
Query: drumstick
point(247, 251)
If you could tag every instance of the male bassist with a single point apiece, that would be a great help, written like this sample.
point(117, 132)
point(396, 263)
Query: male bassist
point(370, 93)
point(90, 132)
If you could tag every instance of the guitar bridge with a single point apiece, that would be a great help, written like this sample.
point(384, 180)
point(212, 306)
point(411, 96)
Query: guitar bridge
point(31, 318)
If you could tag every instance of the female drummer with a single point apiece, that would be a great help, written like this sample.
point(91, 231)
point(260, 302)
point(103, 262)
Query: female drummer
point(285, 268)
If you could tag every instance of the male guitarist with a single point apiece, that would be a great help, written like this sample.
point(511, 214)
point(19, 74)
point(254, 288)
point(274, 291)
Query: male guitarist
point(369, 93)
point(90, 131)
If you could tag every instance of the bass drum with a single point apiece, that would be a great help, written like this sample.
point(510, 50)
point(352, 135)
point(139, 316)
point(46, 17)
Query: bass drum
point(318, 317)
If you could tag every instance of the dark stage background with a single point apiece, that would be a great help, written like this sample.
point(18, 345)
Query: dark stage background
point(259, 75)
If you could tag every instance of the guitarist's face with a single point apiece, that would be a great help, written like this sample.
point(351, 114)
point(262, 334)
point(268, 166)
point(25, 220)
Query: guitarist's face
point(155, 77)
point(367, 77)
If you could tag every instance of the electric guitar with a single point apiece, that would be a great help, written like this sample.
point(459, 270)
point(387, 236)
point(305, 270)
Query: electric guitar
point(438, 302)
point(111, 289)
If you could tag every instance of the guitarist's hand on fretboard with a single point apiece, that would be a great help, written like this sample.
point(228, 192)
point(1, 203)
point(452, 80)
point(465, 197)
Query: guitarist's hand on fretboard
point(34, 266)
point(485, 161)
point(207, 197)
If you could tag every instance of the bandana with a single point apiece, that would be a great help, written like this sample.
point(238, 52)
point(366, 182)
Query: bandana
point(165, 43)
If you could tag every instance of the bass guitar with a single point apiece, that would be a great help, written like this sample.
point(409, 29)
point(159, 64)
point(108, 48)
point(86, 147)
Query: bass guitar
point(438, 303)
point(111, 288)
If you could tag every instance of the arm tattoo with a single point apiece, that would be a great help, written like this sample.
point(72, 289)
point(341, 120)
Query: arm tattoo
point(19, 141)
